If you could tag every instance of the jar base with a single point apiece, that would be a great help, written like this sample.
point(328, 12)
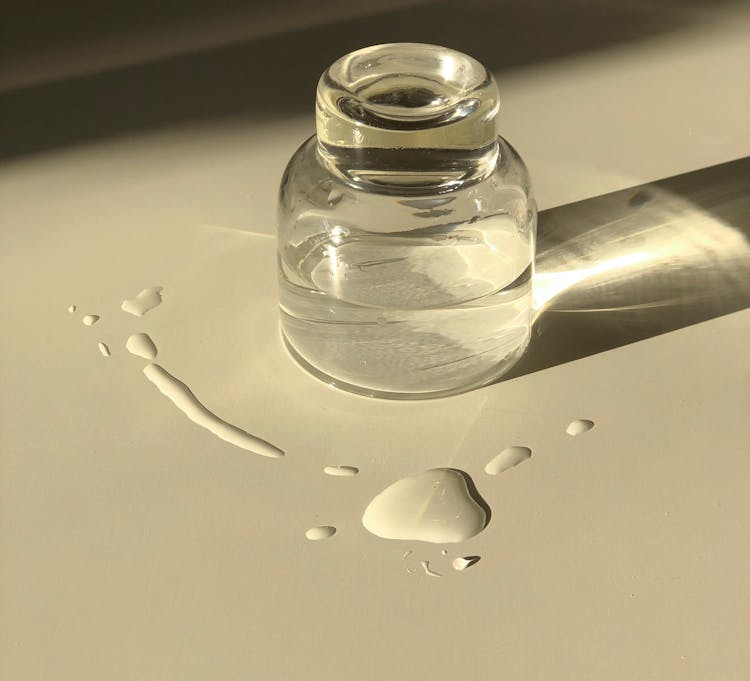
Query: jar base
point(497, 372)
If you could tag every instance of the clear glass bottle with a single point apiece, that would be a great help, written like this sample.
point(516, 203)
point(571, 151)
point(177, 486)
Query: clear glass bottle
point(406, 229)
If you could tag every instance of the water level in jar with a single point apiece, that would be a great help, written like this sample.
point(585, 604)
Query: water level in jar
point(414, 313)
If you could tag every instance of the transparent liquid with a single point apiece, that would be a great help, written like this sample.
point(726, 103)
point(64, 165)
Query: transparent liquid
point(422, 312)
point(440, 506)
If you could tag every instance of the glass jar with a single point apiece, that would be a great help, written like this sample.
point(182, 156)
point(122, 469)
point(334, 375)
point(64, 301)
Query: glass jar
point(406, 229)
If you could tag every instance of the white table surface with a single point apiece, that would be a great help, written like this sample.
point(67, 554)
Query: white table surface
point(135, 545)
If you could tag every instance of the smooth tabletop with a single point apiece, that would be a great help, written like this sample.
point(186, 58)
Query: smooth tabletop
point(135, 544)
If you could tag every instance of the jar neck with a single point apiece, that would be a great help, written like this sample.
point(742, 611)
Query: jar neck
point(407, 116)
point(408, 171)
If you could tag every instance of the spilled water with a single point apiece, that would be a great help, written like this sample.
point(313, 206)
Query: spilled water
point(506, 459)
point(579, 427)
point(146, 300)
point(141, 344)
point(341, 471)
point(320, 533)
point(428, 570)
point(464, 562)
point(182, 397)
point(440, 505)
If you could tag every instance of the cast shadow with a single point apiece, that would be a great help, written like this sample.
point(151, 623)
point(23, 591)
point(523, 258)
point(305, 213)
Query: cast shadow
point(475, 495)
point(276, 75)
point(633, 264)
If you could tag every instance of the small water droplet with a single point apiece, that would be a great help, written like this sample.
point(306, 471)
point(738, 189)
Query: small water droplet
point(104, 349)
point(334, 197)
point(146, 300)
point(427, 570)
point(579, 426)
point(341, 471)
point(444, 552)
point(440, 505)
point(90, 319)
point(506, 459)
point(72, 309)
point(464, 562)
point(640, 198)
point(320, 533)
point(182, 397)
point(141, 344)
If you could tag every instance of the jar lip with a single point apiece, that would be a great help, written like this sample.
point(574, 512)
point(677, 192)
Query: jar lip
point(407, 114)
point(407, 82)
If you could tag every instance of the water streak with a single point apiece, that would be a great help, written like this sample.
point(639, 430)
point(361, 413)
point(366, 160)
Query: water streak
point(183, 398)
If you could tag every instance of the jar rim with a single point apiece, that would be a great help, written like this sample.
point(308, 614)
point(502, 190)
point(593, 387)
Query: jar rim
point(407, 82)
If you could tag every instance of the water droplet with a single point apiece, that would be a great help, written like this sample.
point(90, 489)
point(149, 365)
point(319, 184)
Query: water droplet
point(90, 319)
point(464, 562)
point(427, 570)
point(146, 300)
point(506, 459)
point(72, 309)
point(320, 533)
point(640, 198)
point(579, 426)
point(334, 197)
point(444, 552)
point(104, 349)
point(440, 505)
point(341, 471)
point(141, 344)
point(182, 397)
